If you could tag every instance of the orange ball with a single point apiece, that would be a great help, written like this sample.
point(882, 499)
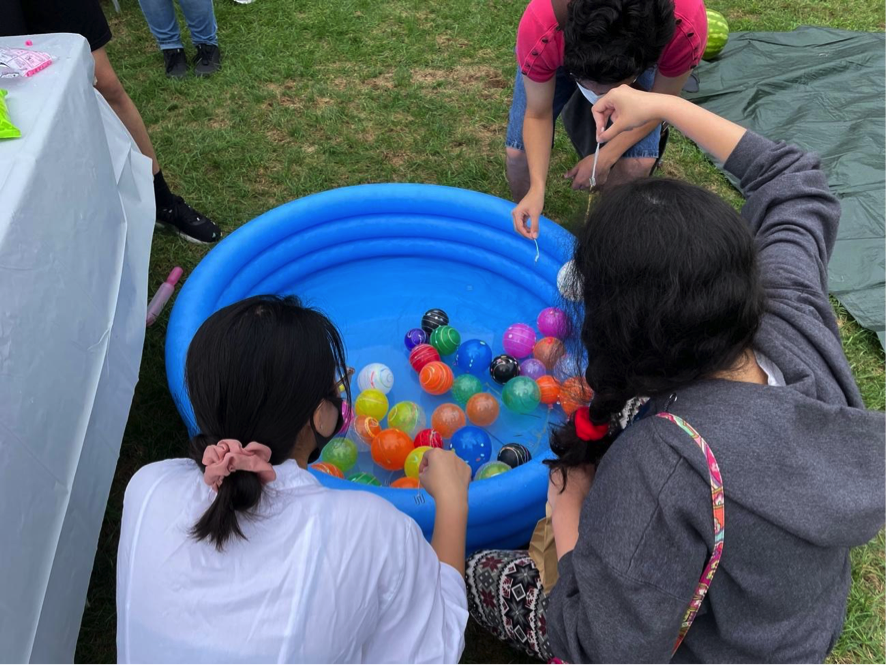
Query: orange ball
point(367, 428)
point(550, 389)
point(406, 483)
point(482, 409)
point(548, 350)
point(436, 378)
point(326, 467)
point(447, 418)
point(575, 393)
point(390, 448)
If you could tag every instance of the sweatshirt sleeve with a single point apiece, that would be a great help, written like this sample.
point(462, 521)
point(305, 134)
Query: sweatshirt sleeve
point(791, 211)
point(623, 591)
point(425, 609)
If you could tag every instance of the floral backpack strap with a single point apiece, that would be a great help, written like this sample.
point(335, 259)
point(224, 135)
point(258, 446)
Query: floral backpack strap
point(717, 501)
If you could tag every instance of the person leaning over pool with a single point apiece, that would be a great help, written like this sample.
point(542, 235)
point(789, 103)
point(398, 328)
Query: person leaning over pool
point(239, 554)
point(724, 321)
point(593, 46)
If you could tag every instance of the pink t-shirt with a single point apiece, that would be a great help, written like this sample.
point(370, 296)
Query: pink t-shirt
point(540, 43)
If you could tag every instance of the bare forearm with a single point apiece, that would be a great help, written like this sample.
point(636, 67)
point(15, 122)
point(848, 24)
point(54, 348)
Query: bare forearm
point(564, 521)
point(537, 136)
point(450, 525)
point(620, 144)
point(718, 136)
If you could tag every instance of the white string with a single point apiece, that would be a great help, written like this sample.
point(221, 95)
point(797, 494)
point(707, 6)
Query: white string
point(537, 253)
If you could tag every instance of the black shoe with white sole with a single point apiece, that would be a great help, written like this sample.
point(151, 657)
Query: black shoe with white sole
point(189, 223)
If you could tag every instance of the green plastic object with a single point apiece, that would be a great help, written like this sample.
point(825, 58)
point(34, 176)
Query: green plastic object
point(490, 470)
point(446, 340)
point(464, 387)
point(340, 452)
point(364, 478)
point(7, 129)
point(521, 394)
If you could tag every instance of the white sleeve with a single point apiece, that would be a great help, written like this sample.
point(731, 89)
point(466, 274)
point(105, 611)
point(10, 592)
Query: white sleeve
point(425, 610)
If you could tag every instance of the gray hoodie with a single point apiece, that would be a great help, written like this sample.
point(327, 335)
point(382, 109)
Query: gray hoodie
point(802, 465)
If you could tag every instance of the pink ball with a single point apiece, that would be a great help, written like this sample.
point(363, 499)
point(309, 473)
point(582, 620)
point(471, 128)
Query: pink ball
point(519, 340)
point(553, 322)
point(347, 415)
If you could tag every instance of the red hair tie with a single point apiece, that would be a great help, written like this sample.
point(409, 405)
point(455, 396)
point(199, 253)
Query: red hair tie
point(586, 430)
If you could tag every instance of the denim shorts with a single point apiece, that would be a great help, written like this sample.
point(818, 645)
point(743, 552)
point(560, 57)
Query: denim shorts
point(565, 88)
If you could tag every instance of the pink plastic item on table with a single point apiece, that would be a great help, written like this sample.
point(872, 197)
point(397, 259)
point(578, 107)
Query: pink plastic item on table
point(16, 62)
point(158, 302)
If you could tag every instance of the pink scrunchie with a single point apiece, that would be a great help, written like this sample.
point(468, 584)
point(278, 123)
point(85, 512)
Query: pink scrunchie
point(227, 456)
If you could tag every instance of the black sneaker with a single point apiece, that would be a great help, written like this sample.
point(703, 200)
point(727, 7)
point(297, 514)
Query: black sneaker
point(188, 223)
point(176, 63)
point(208, 60)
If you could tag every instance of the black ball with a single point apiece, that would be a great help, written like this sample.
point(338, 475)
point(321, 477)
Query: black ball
point(514, 454)
point(433, 319)
point(504, 368)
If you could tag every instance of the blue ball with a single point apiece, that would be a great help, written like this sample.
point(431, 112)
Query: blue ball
point(473, 357)
point(473, 445)
point(415, 337)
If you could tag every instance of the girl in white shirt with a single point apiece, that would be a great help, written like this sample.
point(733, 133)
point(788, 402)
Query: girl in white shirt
point(239, 554)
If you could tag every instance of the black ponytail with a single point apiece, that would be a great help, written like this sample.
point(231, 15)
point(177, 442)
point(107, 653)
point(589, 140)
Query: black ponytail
point(256, 371)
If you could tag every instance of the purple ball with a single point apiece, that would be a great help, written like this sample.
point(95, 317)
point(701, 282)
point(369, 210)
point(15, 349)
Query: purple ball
point(415, 337)
point(553, 322)
point(519, 340)
point(533, 368)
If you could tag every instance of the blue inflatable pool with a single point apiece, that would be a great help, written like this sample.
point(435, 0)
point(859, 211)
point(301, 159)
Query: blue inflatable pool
point(374, 258)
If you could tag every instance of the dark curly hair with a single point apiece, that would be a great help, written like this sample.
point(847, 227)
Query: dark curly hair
point(608, 41)
point(671, 293)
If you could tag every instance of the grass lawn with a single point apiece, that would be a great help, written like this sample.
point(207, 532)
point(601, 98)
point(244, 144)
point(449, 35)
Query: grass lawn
point(317, 95)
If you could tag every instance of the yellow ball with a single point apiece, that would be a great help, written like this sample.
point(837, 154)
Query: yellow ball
point(413, 461)
point(372, 403)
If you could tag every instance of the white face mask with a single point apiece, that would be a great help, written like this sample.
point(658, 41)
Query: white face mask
point(591, 96)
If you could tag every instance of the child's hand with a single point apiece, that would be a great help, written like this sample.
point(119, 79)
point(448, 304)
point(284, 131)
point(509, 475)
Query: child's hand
point(628, 109)
point(444, 475)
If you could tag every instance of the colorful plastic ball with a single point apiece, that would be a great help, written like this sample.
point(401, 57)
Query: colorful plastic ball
point(364, 478)
point(533, 368)
point(406, 483)
point(436, 378)
point(447, 419)
point(407, 417)
point(422, 355)
point(413, 461)
point(473, 445)
point(482, 409)
point(518, 340)
point(575, 393)
point(327, 468)
point(514, 454)
point(464, 387)
point(367, 428)
point(549, 350)
point(428, 437)
point(473, 357)
point(433, 319)
point(415, 337)
point(521, 394)
point(340, 452)
point(446, 340)
point(490, 470)
point(376, 375)
point(569, 282)
point(390, 448)
point(553, 322)
point(504, 368)
point(372, 402)
point(347, 417)
point(549, 389)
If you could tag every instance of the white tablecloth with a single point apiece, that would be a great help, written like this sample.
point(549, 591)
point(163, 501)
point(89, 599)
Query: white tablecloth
point(76, 220)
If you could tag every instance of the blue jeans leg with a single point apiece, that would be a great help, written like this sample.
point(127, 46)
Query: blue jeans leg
point(201, 21)
point(160, 15)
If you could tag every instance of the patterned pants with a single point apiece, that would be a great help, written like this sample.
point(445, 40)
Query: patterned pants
point(505, 596)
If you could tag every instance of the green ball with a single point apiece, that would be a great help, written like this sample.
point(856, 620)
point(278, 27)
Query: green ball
point(464, 387)
point(340, 452)
point(446, 340)
point(491, 469)
point(407, 417)
point(521, 394)
point(364, 478)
